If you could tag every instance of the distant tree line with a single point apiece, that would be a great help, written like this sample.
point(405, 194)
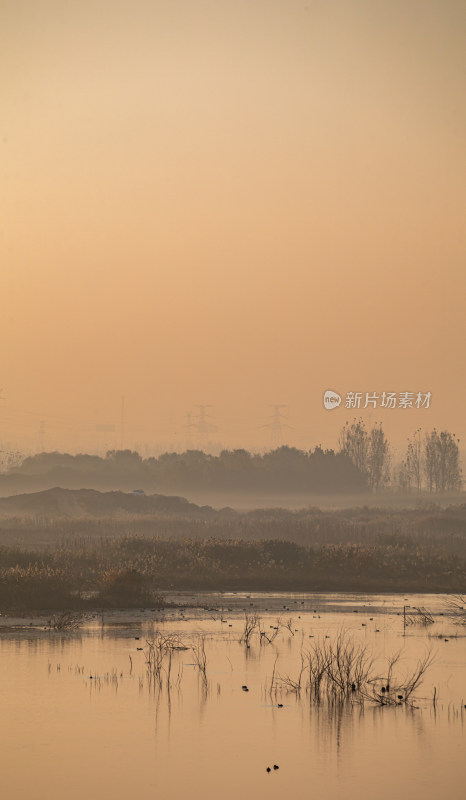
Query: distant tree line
point(362, 462)
point(285, 469)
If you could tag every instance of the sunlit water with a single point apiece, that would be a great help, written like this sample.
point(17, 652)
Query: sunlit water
point(117, 734)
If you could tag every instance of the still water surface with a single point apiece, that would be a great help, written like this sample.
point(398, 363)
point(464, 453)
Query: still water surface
point(118, 734)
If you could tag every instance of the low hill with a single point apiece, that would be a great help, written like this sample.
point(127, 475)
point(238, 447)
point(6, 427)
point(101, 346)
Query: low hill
point(90, 503)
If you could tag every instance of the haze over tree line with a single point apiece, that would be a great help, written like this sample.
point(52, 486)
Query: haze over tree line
point(363, 463)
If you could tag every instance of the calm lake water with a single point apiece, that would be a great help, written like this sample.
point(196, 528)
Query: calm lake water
point(121, 733)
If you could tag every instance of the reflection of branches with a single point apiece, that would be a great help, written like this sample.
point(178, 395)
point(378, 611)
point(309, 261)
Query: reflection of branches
point(200, 658)
point(272, 681)
point(318, 658)
point(421, 617)
point(455, 606)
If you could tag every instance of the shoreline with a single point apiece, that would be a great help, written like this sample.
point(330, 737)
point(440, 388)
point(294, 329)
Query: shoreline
point(185, 605)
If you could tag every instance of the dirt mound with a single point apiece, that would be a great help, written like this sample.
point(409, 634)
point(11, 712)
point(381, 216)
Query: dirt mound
point(73, 503)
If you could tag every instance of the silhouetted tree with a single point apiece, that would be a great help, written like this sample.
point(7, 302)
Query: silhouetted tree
point(441, 461)
point(369, 451)
point(354, 442)
point(401, 476)
point(378, 458)
point(414, 460)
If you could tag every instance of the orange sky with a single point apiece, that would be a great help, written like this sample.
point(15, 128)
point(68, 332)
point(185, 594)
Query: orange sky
point(231, 202)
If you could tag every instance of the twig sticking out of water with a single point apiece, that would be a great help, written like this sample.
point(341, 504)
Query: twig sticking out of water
point(421, 617)
point(399, 692)
point(289, 684)
point(200, 658)
point(265, 636)
point(342, 671)
point(68, 620)
point(253, 625)
point(159, 656)
point(251, 622)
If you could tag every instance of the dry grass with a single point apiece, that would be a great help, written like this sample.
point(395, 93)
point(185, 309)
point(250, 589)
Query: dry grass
point(159, 658)
point(343, 670)
point(396, 691)
point(68, 620)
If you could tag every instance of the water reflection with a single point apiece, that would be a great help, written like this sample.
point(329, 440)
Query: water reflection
point(188, 727)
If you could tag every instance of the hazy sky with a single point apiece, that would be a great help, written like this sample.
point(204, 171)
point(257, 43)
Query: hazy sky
point(229, 202)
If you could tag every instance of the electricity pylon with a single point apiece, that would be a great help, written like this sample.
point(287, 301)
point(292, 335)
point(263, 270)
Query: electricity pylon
point(277, 424)
point(202, 424)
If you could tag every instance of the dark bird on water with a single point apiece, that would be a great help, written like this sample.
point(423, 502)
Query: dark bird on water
point(275, 766)
point(268, 769)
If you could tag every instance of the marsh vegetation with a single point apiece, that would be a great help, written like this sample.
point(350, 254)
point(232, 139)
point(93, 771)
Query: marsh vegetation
point(135, 571)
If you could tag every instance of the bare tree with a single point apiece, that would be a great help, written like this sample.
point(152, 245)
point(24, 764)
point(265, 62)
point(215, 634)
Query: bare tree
point(354, 442)
point(378, 458)
point(401, 476)
point(414, 460)
point(441, 461)
point(369, 451)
